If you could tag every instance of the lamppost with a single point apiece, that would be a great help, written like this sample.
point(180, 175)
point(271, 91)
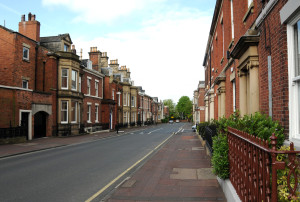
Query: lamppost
point(119, 103)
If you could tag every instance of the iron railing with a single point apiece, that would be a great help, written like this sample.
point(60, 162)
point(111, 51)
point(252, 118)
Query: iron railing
point(11, 132)
point(210, 132)
point(253, 166)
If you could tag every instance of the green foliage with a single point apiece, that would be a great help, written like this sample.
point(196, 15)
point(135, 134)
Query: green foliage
point(165, 120)
point(282, 183)
point(220, 156)
point(184, 107)
point(201, 128)
point(258, 125)
point(171, 105)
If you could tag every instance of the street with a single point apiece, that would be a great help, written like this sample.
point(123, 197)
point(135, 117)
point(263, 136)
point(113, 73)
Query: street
point(77, 172)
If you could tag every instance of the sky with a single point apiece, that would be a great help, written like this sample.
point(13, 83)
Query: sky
point(162, 42)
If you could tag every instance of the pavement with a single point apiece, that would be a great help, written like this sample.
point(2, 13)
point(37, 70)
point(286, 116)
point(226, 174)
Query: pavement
point(179, 171)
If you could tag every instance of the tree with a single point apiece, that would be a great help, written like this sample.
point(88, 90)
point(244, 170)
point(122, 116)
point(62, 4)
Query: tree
point(184, 107)
point(171, 106)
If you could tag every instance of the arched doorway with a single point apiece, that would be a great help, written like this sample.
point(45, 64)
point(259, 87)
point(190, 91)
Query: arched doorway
point(40, 125)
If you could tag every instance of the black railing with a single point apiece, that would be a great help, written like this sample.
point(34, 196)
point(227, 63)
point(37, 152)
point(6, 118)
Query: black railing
point(210, 131)
point(11, 132)
point(132, 123)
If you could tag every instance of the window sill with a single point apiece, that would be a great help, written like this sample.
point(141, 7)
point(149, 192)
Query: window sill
point(26, 60)
point(249, 11)
point(296, 143)
point(63, 122)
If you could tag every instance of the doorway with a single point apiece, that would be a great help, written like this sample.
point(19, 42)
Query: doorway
point(40, 125)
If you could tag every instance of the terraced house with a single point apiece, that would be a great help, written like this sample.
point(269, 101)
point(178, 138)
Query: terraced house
point(252, 61)
point(47, 89)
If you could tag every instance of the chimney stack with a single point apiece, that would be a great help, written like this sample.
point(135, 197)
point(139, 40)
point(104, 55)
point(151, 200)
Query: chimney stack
point(73, 50)
point(104, 59)
point(95, 57)
point(30, 28)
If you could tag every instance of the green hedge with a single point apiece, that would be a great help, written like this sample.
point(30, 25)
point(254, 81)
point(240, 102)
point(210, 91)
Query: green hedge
point(258, 125)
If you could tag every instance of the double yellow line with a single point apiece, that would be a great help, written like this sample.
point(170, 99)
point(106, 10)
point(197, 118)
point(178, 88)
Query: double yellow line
point(122, 174)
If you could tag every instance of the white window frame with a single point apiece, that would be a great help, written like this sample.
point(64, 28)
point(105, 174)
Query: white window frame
point(25, 57)
point(232, 20)
point(76, 73)
point(96, 88)
point(132, 101)
point(89, 81)
point(64, 110)
point(75, 108)
point(128, 99)
point(89, 107)
point(67, 77)
point(119, 100)
point(113, 94)
point(294, 84)
point(234, 95)
point(96, 113)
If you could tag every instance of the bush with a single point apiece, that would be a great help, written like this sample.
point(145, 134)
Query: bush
point(201, 128)
point(220, 156)
point(258, 125)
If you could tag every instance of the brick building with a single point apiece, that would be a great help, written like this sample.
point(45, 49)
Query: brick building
point(199, 113)
point(252, 61)
point(28, 80)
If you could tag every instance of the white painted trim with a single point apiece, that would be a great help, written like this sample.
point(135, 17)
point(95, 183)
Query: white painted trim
point(98, 74)
point(89, 77)
point(15, 88)
point(86, 95)
point(67, 121)
point(293, 88)
point(89, 103)
point(29, 122)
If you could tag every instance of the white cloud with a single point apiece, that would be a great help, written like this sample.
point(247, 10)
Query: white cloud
point(165, 56)
point(93, 11)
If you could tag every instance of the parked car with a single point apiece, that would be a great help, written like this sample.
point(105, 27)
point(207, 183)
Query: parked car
point(177, 121)
point(171, 121)
point(194, 128)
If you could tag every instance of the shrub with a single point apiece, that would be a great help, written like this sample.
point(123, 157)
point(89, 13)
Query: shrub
point(258, 125)
point(220, 156)
point(201, 128)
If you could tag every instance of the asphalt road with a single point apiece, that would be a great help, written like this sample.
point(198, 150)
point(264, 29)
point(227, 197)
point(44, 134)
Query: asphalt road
point(77, 172)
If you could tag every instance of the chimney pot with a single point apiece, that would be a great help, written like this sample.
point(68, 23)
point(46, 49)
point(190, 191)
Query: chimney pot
point(29, 16)
point(23, 18)
point(33, 18)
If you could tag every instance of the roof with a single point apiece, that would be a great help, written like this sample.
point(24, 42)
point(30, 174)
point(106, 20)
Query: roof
point(58, 38)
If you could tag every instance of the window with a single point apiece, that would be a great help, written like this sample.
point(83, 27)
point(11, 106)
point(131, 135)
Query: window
point(79, 84)
point(64, 111)
point(89, 113)
point(125, 99)
point(74, 80)
point(293, 40)
point(64, 78)
point(66, 47)
point(233, 95)
point(132, 101)
point(74, 112)
point(128, 99)
point(24, 84)
point(232, 24)
point(119, 100)
point(88, 86)
point(25, 53)
point(96, 88)
point(113, 95)
point(96, 113)
point(79, 113)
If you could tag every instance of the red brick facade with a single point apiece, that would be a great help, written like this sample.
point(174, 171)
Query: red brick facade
point(260, 39)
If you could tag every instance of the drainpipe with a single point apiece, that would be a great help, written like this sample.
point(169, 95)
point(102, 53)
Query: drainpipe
point(270, 85)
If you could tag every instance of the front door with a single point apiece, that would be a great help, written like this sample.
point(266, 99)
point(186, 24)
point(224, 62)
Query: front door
point(40, 124)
